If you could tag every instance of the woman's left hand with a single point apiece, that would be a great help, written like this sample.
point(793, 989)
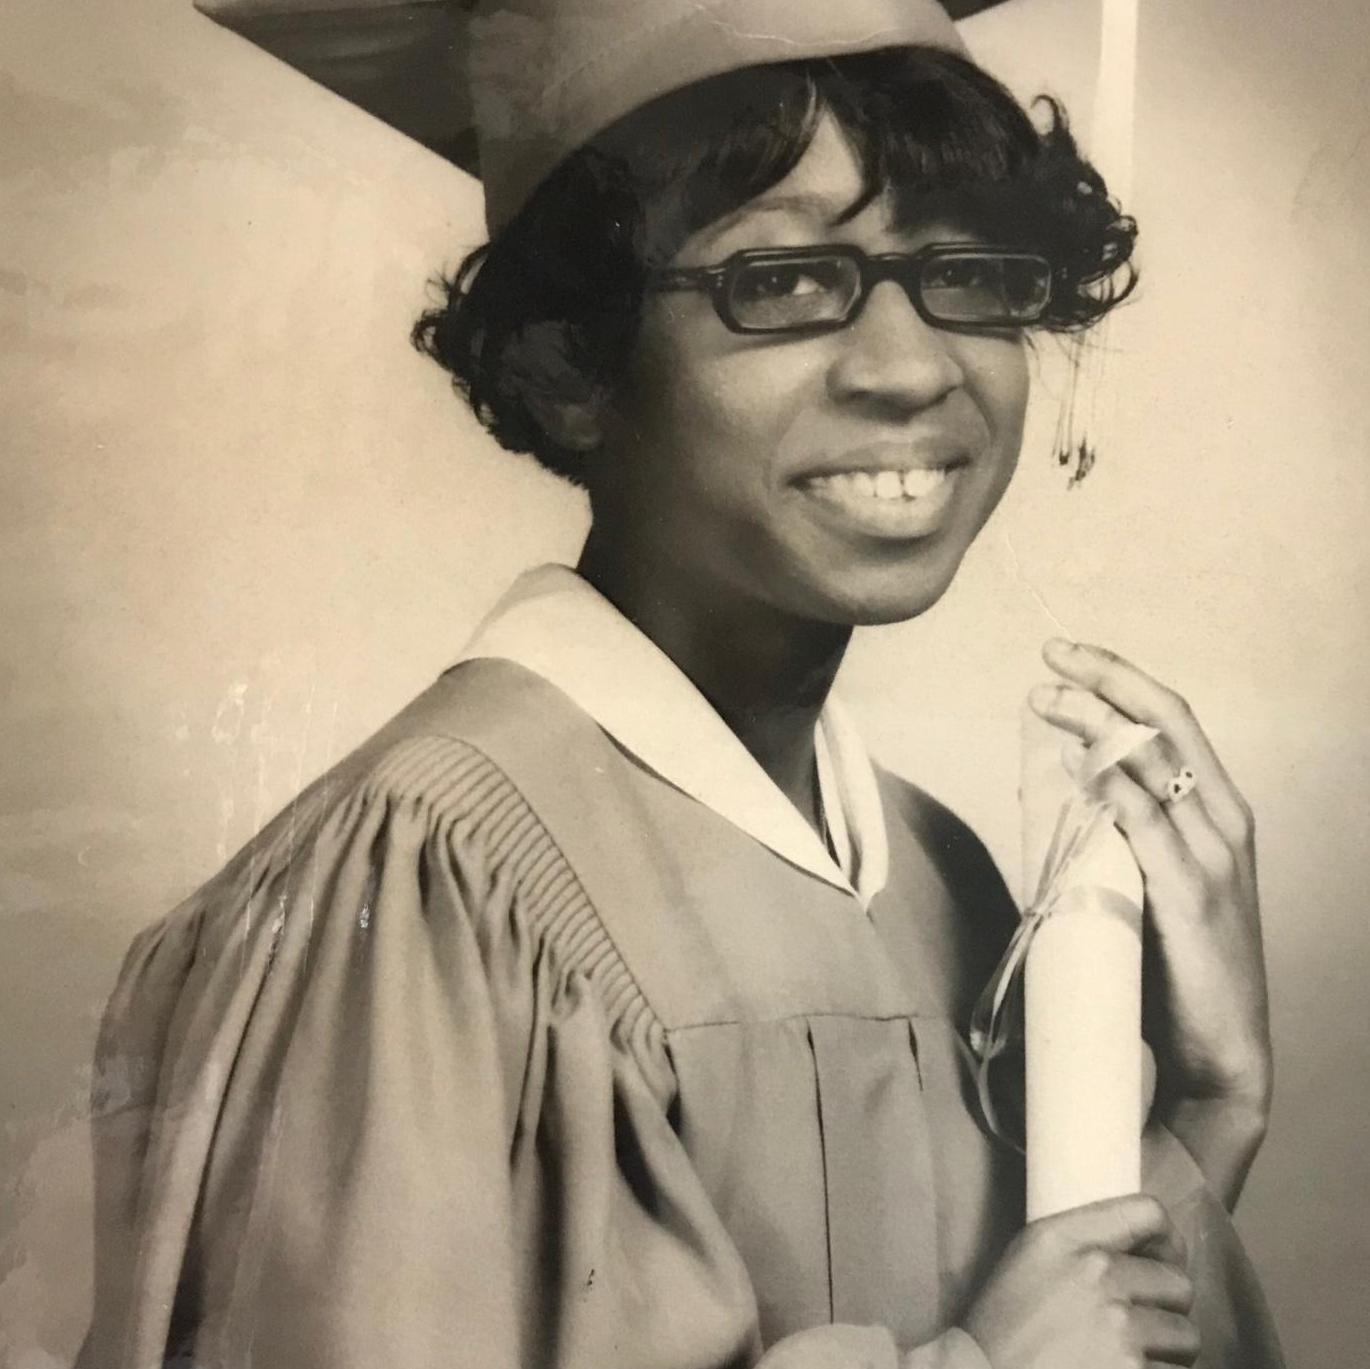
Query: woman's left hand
point(1207, 1009)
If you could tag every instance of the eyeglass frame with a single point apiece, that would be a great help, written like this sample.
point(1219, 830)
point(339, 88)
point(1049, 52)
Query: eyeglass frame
point(904, 268)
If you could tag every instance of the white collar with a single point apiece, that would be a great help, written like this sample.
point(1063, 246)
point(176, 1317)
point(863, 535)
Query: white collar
point(552, 622)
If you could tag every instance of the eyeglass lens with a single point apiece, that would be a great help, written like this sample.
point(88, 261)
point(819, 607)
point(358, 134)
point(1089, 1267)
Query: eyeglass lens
point(967, 288)
point(984, 288)
point(798, 293)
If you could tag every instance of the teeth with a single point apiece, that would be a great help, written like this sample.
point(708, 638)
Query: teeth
point(916, 483)
point(888, 485)
point(912, 484)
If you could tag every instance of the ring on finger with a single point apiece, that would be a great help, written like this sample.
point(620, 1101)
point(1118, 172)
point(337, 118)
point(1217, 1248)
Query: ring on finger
point(1180, 785)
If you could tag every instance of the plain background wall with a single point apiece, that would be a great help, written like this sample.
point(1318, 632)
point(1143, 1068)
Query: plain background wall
point(242, 522)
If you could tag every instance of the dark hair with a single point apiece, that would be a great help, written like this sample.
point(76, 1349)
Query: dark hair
point(551, 306)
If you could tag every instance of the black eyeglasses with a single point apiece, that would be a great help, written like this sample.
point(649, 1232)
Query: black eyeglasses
point(817, 289)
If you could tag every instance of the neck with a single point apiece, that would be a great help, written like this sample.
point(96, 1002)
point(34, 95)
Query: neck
point(766, 673)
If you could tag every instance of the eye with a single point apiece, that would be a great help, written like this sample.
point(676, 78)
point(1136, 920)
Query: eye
point(793, 293)
point(991, 288)
point(963, 273)
point(761, 282)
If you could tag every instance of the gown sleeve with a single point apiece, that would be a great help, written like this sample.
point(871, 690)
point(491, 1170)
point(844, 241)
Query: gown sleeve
point(1235, 1325)
point(384, 1093)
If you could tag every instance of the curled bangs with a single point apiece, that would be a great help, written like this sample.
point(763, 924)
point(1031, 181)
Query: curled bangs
point(926, 126)
point(941, 137)
point(924, 123)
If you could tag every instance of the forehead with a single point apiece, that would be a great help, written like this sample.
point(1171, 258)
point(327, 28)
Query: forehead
point(818, 192)
point(827, 195)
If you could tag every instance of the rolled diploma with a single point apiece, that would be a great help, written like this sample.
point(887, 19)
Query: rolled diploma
point(1082, 1009)
point(1083, 1017)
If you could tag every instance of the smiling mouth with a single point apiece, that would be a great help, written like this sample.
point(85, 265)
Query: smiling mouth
point(887, 485)
point(886, 503)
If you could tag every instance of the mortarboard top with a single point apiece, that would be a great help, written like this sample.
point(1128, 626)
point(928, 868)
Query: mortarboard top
point(506, 89)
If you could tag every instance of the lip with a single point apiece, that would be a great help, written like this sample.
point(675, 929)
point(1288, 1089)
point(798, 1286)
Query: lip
point(926, 455)
point(935, 462)
point(846, 508)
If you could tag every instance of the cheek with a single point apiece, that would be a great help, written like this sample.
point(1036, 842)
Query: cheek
point(754, 400)
point(997, 377)
point(727, 408)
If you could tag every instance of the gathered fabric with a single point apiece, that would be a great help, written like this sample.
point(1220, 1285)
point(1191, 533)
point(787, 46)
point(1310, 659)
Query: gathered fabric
point(496, 1049)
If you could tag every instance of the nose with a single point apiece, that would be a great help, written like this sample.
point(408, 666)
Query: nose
point(890, 359)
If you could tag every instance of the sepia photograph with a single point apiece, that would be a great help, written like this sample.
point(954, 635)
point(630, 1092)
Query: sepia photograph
point(684, 684)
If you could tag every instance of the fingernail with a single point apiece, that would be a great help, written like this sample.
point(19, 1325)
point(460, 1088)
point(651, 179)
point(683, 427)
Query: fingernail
point(1057, 648)
point(1042, 698)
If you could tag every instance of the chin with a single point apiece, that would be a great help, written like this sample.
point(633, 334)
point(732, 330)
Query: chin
point(885, 610)
point(878, 596)
point(833, 572)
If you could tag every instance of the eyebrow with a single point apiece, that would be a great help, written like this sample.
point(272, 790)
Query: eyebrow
point(815, 206)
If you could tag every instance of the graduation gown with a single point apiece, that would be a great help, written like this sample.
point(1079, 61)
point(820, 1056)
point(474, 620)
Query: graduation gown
point(497, 1049)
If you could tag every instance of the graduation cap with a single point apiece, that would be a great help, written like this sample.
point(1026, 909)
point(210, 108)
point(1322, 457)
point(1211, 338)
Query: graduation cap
point(507, 88)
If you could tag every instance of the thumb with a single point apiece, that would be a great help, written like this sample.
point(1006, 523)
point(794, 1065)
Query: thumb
point(1133, 1223)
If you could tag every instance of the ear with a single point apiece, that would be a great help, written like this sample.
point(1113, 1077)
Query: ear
point(573, 424)
point(567, 406)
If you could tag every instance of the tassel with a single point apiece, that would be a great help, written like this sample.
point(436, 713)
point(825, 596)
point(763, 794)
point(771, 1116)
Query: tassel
point(1082, 413)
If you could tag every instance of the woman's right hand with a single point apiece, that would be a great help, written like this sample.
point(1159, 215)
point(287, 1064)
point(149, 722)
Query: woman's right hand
point(1098, 1287)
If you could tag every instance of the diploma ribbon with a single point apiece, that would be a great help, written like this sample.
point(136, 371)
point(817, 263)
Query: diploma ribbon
point(1079, 820)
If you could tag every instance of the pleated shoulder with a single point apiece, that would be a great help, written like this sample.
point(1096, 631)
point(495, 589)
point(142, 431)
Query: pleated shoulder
point(324, 1080)
point(385, 1091)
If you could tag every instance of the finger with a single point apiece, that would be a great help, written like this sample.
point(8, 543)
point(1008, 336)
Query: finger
point(1095, 722)
point(1149, 767)
point(1161, 851)
point(1180, 894)
point(1136, 1222)
point(1141, 698)
point(1075, 710)
point(1129, 689)
point(1165, 1337)
point(1152, 1282)
point(1154, 764)
point(1181, 884)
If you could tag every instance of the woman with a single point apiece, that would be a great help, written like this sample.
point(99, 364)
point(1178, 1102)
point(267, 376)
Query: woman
point(607, 1007)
